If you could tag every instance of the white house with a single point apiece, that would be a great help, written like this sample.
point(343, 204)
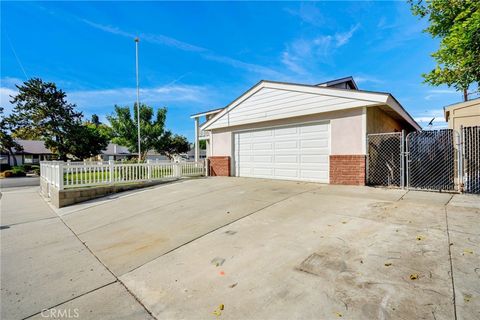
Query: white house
point(303, 132)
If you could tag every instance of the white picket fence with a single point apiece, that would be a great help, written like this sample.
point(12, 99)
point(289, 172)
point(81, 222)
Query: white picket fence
point(64, 175)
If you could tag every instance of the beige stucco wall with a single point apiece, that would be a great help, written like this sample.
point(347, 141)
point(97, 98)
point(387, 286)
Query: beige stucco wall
point(346, 128)
point(378, 121)
point(464, 114)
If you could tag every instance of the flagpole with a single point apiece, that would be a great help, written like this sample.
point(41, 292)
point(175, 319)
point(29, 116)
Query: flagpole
point(137, 40)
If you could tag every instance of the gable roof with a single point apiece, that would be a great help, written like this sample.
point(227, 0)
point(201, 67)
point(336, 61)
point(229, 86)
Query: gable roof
point(347, 80)
point(363, 97)
point(32, 147)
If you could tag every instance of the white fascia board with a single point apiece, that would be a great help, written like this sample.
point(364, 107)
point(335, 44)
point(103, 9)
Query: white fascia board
point(368, 97)
point(392, 103)
point(232, 105)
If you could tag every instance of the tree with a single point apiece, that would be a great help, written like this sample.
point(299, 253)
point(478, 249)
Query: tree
point(172, 144)
point(457, 24)
point(86, 141)
point(202, 144)
point(7, 142)
point(102, 128)
point(124, 128)
point(43, 109)
point(152, 131)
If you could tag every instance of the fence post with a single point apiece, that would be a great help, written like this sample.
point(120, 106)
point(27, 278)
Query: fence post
point(60, 175)
point(149, 169)
point(461, 144)
point(178, 168)
point(111, 164)
point(402, 160)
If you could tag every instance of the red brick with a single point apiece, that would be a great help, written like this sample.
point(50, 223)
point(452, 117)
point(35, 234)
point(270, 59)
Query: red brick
point(219, 166)
point(347, 169)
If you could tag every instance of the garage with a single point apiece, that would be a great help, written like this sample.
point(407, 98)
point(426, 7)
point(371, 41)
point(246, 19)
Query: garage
point(295, 152)
point(291, 131)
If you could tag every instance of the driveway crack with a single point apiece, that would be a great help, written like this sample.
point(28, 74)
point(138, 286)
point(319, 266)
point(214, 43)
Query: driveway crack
point(451, 265)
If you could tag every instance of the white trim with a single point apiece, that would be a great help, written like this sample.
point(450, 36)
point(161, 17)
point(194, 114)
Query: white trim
point(206, 113)
point(364, 130)
point(370, 97)
point(325, 121)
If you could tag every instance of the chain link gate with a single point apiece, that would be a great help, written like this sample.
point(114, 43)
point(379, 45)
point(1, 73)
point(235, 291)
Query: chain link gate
point(433, 160)
point(471, 156)
point(385, 165)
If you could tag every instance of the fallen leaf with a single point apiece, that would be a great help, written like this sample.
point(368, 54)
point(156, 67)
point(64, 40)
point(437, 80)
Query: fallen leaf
point(414, 276)
point(338, 314)
point(233, 285)
point(420, 238)
point(388, 264)
point(469, 251)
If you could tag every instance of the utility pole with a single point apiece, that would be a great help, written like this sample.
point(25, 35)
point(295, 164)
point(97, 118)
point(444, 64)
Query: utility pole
point(137, 40)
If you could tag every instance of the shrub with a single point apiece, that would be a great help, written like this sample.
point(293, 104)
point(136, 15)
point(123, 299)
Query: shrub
point(8, 173)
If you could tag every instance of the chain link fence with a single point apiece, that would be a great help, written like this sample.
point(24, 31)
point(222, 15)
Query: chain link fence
point(471, 156)
point(432, 160)
point(384, 159)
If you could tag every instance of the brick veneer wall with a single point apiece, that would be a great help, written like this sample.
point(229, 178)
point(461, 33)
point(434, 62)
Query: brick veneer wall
point(219, 166)
point(347, 169)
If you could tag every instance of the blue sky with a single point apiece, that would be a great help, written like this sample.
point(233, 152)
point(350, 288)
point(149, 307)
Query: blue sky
point(202, 55)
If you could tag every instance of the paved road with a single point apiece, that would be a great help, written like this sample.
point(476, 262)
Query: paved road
point(244, 249)
point(19, 182)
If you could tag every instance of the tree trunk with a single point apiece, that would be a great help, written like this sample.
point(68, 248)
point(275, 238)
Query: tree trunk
point(13, 156)
point(465, 95)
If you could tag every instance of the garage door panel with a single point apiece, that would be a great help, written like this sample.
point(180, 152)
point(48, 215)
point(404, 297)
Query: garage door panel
point(298, 152)
point(314, 143)
point(288, 131)
point(260, 158)
point(314, 158)
point(286, 173)
point(286, 158)
point(313, 174)
point(286, 145)
point(259, 171)
point(262, 133)
point(262, 146)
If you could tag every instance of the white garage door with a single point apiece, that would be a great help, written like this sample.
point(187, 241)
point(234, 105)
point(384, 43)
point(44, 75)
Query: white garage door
point(297, 152)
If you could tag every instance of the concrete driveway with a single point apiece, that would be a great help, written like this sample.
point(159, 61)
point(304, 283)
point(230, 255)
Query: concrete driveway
point(243, 249)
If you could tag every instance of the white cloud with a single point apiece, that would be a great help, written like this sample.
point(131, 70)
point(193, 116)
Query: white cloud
point(163, 95)
point(95, 101)
point(184, 46)
point(302, 52)
point(436, 93)
point(308, 13)
point(343, 38)
point(367, 79)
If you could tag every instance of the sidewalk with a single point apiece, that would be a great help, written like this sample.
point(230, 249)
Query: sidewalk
point(44, 265)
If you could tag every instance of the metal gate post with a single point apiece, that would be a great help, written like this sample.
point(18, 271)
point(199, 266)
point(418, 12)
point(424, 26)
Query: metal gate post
point(460, 151)
point(407, 161)
point(367, 160)
point(402, 160)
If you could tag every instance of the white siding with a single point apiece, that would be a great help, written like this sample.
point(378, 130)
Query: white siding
point(271, 104)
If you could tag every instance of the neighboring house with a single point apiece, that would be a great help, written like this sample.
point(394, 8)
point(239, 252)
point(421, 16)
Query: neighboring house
point(190, 155)
point(465, 114)
point(115, 152)
point(33, 152)
point(155, 156)
point(303, 132)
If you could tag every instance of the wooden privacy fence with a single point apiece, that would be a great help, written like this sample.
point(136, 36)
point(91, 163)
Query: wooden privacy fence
point(64, 175)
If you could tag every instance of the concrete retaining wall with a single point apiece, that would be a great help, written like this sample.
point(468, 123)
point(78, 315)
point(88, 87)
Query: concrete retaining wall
point(63, 198)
